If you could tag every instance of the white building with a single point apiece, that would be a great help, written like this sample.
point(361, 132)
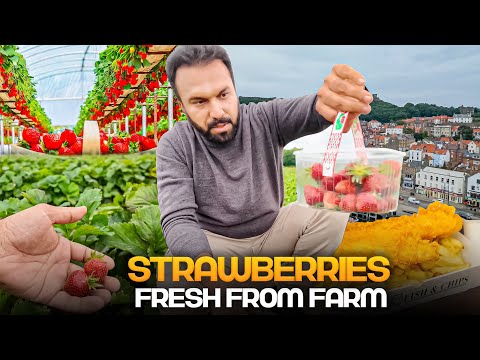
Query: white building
point(441, 184)
point(474, 147)
point(473, 190)
point(442, 130)
point(374, 124)
point(418, 151)
point(462, 118)
point(397, 130)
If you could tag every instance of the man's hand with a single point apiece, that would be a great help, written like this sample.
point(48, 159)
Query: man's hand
point(343, 90)
point(35, 260)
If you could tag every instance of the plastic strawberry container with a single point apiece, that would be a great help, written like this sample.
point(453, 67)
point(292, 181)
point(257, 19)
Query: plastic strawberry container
point(359, 179)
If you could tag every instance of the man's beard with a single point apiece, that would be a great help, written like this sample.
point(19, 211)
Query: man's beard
point(221, 138)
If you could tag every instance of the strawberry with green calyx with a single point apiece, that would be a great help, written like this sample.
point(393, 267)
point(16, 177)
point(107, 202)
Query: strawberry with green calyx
point(31, 136)
point(390, 168)
point(78, 283)
point(96, 267)
point(313, 195)
point(358, 172)
point(69, 137)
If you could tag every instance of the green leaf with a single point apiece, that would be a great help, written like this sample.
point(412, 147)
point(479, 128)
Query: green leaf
point(100, 220)
point(24, 307)
point(36, 196)
point(126, 238)
point(10, 51)
point(6, 302)
point(86, 229)
point(137, 64)
point(15, 58)
point(127, 87)
point(146, 63)
point(91, 198)
point(148, 227)
point(144, 196)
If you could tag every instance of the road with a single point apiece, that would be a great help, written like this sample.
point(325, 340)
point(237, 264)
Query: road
point(404, 207)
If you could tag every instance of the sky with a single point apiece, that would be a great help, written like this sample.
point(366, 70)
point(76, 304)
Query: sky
point(442, 75)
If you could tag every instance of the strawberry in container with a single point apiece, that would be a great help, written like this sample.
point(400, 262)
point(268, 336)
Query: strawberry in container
point(355, 179)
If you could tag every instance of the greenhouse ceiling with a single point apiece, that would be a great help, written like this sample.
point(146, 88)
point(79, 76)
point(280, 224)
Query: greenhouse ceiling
point(63, 76)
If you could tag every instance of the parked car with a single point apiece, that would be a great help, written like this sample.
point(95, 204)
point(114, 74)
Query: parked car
point(465, 215)
point(413, 200)
point(401, 198)
point(439, 200)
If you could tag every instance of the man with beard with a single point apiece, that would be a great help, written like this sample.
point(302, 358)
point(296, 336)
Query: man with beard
point(219, 175)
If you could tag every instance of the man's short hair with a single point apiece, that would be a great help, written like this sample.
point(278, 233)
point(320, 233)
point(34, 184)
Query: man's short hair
point(191, 55)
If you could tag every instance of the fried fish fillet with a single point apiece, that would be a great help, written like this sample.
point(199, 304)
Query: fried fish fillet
point(406, 240)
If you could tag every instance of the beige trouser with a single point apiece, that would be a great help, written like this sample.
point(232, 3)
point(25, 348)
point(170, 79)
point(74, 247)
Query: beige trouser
point(298, 230)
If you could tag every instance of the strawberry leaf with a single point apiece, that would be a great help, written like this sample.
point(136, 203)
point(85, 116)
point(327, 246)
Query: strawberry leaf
point(91, 198)
point(144, 196)
point(148, 227)
point(36, 196)
point(126, 238)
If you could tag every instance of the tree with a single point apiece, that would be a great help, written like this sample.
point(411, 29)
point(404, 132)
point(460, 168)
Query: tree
point(419, 136)
point(408, 131)
point(465, 132)
point(289, 157)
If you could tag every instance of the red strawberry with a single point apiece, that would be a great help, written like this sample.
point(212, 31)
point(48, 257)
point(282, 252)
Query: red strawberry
point(52, 141)
point(79, 284)
point(348, 203)
point(331, 200)
point(366, 202)
point(65, 151)
point(37, 148)
point(329, 183)
point(96, 267)
point(77, 147)
point(135, 137)
point(317, 171)
point(375, 183)
point(120, 148)
point(313, 195)
point(390, 168)
point(116, 140)
point(68, 136)
point(148, 144)
point(104, 148)
point(345, 187)
point(31, 136)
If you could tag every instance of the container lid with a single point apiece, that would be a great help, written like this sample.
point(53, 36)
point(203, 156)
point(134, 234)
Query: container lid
point(317, 143)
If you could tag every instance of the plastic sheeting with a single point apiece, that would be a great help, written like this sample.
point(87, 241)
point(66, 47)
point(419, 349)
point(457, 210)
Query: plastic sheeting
point(63, 76)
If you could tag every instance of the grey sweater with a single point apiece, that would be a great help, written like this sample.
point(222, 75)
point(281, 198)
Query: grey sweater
point(234, 189)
